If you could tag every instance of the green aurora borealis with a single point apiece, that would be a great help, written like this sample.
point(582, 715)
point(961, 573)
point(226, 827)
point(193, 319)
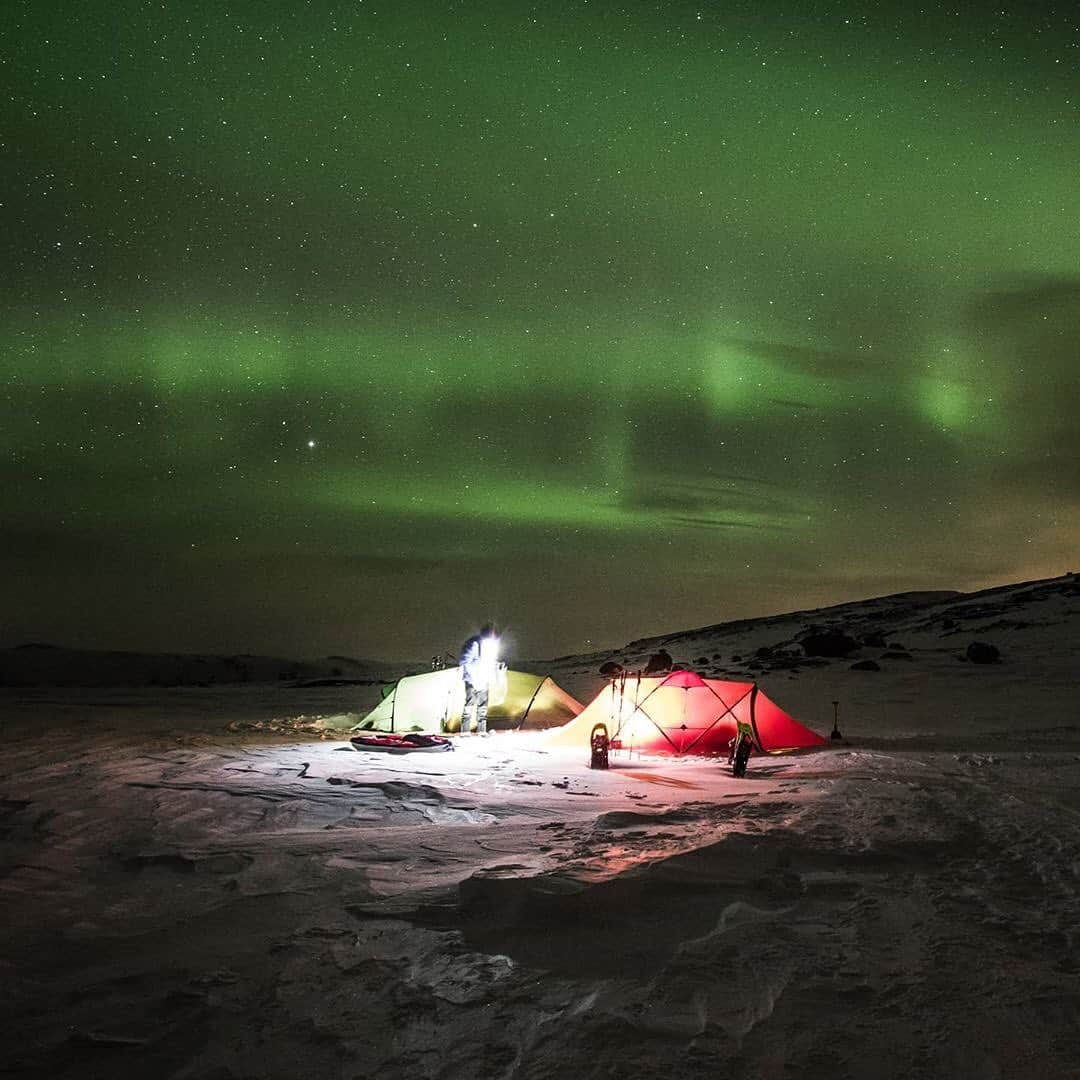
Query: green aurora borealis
point(338, 328)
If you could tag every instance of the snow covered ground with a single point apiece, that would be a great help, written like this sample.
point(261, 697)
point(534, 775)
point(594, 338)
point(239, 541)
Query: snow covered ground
point(209, 883)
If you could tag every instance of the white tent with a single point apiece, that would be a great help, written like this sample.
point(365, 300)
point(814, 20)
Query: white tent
point(433, 701)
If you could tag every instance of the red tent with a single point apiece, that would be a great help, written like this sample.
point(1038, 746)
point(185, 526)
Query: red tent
point(682, 713)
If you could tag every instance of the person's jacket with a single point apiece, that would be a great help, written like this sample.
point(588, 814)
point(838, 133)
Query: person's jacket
point(472, 667)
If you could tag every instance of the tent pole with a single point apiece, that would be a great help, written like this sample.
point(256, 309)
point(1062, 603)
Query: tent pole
point(622, 701)
point(637, 707)
point(637, 697)
point(729, 710)
point(685, 694)
point(525, 714)
point(753, 717)
point(446, 710)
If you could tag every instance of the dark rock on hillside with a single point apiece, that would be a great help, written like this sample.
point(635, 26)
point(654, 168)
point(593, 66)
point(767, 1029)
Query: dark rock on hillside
point(829, 643)
point(866, 665)
point(980, 652)
point(1008, 624)
point(785, 658)
point(896, 654)
point(659, 663)
point(976, 612)
point(874, 640)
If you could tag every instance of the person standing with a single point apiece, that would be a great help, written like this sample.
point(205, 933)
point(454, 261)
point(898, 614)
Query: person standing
point(479, 662)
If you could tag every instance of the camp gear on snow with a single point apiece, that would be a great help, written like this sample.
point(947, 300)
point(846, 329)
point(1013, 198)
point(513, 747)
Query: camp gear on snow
point(434, 701)
point(682, 713)
point(836, 736)
point(743, 731)
point(401, 744)
point(742, 745)
point(598, 743)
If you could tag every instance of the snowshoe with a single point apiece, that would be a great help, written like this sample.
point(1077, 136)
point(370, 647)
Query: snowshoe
point(599, 744)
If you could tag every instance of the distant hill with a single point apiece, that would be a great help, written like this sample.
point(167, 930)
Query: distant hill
point(923, 619)
point(909, 661)
point(38, 664)
point(905, 654)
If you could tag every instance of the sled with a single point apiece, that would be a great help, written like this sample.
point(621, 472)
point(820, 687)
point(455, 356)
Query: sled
point(400, 744)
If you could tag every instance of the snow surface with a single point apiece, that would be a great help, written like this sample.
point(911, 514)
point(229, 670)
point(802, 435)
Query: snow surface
point(210, 883)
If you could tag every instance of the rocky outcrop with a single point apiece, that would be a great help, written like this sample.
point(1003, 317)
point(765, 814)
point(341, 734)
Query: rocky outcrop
point(833, 643)
point(981, 652)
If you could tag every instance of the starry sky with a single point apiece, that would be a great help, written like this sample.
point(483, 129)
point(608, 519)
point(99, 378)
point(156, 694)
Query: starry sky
point(344, 327)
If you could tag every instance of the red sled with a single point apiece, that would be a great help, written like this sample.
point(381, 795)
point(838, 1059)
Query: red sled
point(401, 744)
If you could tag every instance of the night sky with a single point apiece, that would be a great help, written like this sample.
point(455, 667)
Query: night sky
point(341, 328)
